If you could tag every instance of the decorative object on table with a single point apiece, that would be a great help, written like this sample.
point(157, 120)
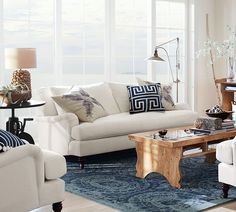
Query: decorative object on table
point(21, 58)
point(166, 93)
point(145, 98)
point(86, 107)
point(9, 140)
point(162, 133)
point(208, 123)
point(218, 112)
point(156, 57)
point(13, 94)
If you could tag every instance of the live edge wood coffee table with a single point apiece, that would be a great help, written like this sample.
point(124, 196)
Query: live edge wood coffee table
point(164, 156)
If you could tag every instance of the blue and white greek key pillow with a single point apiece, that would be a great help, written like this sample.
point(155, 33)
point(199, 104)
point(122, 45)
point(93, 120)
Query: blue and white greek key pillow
point(145, 98)
point(8, 141)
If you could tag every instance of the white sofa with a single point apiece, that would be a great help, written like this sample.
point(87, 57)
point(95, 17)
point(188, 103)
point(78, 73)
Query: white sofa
point(226, 154)
point(63, 133)
point(29, 178)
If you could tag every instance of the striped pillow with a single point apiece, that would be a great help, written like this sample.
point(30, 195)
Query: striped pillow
point(8, 141)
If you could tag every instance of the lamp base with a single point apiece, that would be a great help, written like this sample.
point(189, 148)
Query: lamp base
point(22, 78)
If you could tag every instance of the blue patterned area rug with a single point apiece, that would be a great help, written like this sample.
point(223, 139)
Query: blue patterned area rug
point(110, 180)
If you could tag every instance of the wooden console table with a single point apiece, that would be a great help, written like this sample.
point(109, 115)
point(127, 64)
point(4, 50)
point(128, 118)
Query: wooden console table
point(227, 95)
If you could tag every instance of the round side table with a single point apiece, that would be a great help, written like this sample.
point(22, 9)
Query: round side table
point(13, 124)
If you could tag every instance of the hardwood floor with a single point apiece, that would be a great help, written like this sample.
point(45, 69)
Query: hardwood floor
point(74, 203)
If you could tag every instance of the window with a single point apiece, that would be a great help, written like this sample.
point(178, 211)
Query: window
point(171, 23)
point(130, 42)
point(86, 41)
point(83, 29)
point(30, 24)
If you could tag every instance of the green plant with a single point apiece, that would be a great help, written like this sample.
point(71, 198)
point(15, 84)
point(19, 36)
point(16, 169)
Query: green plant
point(7, 92)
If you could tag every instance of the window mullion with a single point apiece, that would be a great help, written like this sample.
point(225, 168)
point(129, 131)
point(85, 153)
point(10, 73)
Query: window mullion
point(58, 70)
point(109, 38)
point(151, 37)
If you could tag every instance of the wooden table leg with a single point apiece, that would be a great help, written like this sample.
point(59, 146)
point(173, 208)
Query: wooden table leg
point(210, 158)
point(144, 159)
point(163, 160)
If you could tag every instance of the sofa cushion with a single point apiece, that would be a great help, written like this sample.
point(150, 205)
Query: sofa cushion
point(121, 96)
point(82, 104)
point(103, 94)
point(125, 123)
point(54, 165)
point(145, 98)
point(8, 141)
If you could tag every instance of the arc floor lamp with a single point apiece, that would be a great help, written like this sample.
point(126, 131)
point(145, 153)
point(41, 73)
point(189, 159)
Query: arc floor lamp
point(156, 57)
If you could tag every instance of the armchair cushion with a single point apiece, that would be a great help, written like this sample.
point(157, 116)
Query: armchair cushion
point(224, 152)
point(54, 165)
point(8, 141)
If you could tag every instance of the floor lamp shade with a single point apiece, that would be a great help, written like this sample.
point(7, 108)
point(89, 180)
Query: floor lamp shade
point(19, 59)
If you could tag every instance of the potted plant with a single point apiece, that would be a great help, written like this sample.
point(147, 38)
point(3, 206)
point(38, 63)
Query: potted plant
point(13, 94)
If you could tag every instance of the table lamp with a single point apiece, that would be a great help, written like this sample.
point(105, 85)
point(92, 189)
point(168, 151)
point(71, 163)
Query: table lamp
point(156, 57)
point(21, 59)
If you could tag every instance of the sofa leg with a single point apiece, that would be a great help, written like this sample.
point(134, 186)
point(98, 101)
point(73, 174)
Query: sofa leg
point(225, 189)
point(57, 207)
point(81, 163)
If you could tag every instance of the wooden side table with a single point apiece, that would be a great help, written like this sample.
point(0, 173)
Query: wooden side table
point(15, 126)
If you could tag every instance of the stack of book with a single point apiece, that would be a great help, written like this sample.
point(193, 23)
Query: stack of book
point(228, 124)
point(206, 132)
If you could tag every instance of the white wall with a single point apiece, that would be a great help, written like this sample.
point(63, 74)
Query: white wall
point(221, 13)
point(205, 93)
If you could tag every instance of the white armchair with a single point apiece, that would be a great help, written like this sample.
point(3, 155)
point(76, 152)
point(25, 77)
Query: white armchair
point(226, 154)
point(29, 178)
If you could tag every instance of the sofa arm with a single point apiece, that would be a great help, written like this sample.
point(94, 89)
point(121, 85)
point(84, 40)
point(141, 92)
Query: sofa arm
point(54, 165)
point(54, 132)
point(224, 151)
point(21, 178)
point(19, 154)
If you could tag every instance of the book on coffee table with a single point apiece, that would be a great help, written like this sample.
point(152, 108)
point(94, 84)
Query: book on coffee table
point(207, 132)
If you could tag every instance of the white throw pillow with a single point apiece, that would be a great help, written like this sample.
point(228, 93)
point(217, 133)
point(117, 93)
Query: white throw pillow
point(102, 93)
point(166, 93)
point(82, 104)
point(121, 96)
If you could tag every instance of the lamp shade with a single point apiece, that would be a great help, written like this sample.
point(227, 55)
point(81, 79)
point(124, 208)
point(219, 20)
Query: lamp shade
point(20, 58)
point(156, 57)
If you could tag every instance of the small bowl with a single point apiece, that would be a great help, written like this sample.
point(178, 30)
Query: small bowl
point(162, 133)
point(222, 115)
